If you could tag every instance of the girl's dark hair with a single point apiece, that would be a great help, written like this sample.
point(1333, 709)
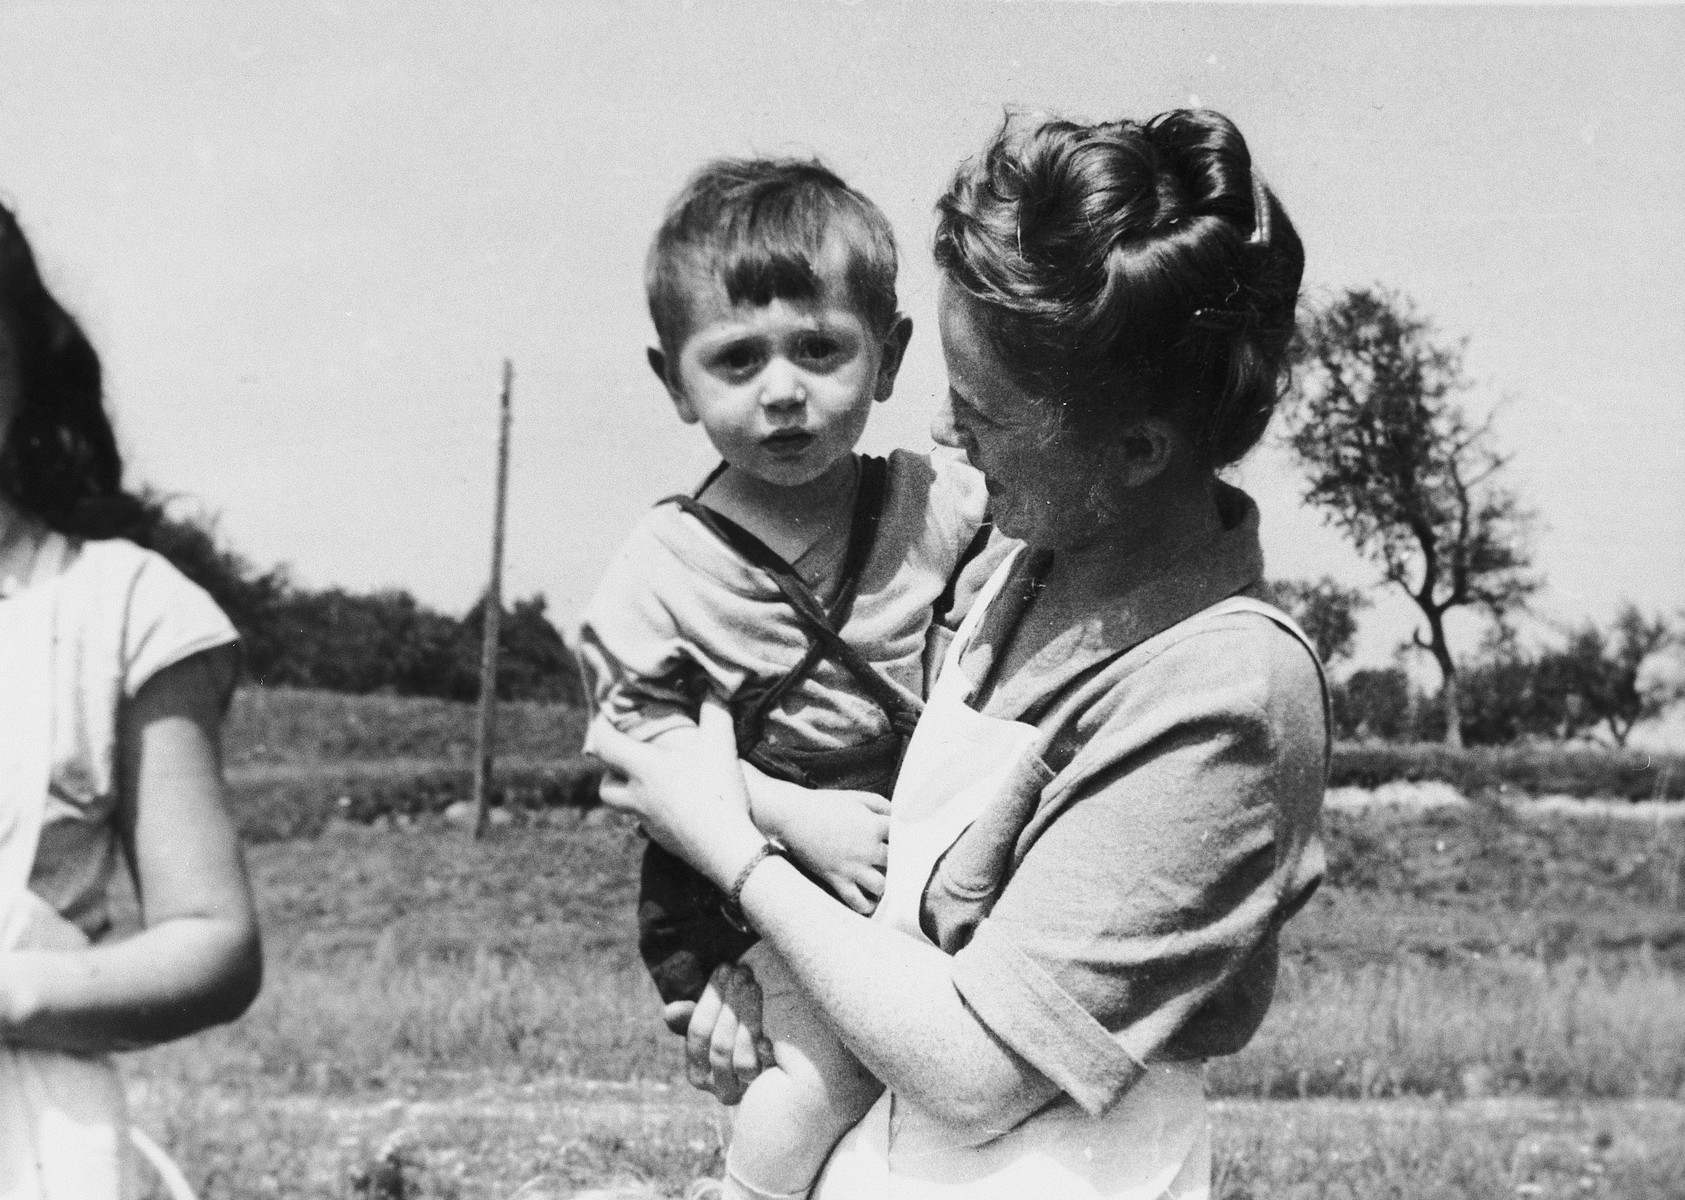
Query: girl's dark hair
point(60, 461)
point(1124, 267)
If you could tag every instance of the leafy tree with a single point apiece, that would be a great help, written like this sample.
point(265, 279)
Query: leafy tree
point(380, 641)
point(534, 663)
point(357, 642)
point(1397, 465)
point(1501, 700)
point(1372, 703)
point(1596, 679)
point(1324, 610)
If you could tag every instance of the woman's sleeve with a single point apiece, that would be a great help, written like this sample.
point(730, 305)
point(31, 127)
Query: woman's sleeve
point(1160, 864)
point(169, 619)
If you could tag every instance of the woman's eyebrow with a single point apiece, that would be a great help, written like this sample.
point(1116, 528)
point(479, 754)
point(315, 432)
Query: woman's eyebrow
point(971, 408)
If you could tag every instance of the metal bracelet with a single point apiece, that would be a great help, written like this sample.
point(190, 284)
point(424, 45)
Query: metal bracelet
point(735, 896)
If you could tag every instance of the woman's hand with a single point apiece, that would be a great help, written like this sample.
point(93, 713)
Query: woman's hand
point(841, 837)
point(693, 803)
point(724, 1046)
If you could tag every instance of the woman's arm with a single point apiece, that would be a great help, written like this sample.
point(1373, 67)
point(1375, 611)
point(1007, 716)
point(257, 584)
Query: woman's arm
point(892, 1001)
point(197, 962)
point(890, 998)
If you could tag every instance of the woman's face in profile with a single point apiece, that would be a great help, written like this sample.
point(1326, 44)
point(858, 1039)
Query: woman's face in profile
point(1040, 483)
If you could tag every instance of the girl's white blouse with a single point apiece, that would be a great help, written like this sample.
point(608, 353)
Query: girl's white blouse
point(122, 614)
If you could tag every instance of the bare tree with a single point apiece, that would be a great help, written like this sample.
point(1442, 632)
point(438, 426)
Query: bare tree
point(1398, 465)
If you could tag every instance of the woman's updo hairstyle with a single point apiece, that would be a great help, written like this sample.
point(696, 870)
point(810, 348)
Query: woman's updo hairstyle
point(1127, 267)
point(60, 461)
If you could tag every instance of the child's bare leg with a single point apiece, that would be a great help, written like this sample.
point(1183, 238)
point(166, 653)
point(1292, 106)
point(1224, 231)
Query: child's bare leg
point(795, 1112)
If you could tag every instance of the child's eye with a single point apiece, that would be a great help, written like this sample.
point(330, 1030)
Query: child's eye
point(816, 348)
point(738, 360)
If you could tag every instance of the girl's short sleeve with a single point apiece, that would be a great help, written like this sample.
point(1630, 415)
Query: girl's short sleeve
point(168, 619)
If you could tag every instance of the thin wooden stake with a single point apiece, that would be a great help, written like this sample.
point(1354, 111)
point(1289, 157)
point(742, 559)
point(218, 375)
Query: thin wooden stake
point(486, 735)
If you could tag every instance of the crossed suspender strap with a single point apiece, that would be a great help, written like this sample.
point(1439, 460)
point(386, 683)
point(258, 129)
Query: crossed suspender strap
point(819, 622)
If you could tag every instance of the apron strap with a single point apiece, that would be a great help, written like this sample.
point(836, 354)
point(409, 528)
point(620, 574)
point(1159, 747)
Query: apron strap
point(945, 602)
point(979, 607)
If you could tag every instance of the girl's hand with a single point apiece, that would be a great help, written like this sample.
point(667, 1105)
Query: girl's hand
point(692, 803)
point(842, 837)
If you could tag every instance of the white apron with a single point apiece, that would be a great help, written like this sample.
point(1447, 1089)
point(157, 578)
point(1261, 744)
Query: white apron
point(63, 1125)
point(1154, 1144)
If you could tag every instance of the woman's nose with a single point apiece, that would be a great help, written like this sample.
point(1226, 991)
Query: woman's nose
point(943, 430)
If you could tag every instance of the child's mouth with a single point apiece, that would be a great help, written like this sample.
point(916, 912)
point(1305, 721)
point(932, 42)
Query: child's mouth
point(791, 442)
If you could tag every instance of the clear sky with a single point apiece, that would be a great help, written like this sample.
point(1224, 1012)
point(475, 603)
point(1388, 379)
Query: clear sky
point(303, 236)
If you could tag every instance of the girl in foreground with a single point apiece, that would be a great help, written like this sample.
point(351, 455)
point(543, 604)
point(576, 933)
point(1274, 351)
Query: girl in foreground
point(115, 672)
point(1109, 806)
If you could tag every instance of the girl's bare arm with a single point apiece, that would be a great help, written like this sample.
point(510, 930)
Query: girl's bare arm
point(197, 961)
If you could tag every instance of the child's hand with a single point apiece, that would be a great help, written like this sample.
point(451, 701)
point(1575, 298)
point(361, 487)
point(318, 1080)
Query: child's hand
point(843, 838)
point(724, 1045)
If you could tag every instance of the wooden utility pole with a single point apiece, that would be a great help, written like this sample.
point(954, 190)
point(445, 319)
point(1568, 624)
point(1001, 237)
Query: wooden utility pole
point(491, 618)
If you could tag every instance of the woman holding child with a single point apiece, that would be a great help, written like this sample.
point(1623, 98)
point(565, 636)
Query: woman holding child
point(1108, 807)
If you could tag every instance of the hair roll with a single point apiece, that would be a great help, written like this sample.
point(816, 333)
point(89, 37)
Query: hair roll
point(1130, 267)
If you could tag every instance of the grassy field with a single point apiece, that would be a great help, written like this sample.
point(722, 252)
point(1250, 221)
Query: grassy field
point(273, 726)
point(1476, 1004)
point(414, 972)
point(487, 1141)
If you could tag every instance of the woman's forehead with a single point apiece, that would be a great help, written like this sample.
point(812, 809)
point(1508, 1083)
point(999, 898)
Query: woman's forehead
point(974, 367)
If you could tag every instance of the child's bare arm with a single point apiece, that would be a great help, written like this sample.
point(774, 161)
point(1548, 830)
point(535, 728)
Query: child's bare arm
point(840, 836)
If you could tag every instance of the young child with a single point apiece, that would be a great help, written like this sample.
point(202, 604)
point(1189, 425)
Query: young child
point(114, 674)
point(802, 581)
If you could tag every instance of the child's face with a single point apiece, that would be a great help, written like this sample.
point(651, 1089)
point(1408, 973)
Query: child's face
point(783, 390)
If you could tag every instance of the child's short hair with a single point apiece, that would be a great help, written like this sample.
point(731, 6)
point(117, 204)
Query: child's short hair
point(760, 226)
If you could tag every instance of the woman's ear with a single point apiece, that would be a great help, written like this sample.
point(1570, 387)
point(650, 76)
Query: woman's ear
point(894, 351)
point(1143, 450)
point(681, 402)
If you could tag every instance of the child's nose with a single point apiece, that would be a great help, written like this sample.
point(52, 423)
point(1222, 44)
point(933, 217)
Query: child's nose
point(782, 386)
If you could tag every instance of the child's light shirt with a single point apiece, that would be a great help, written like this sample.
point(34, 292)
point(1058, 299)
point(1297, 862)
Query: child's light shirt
point(121, 615)
point(677, 600)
